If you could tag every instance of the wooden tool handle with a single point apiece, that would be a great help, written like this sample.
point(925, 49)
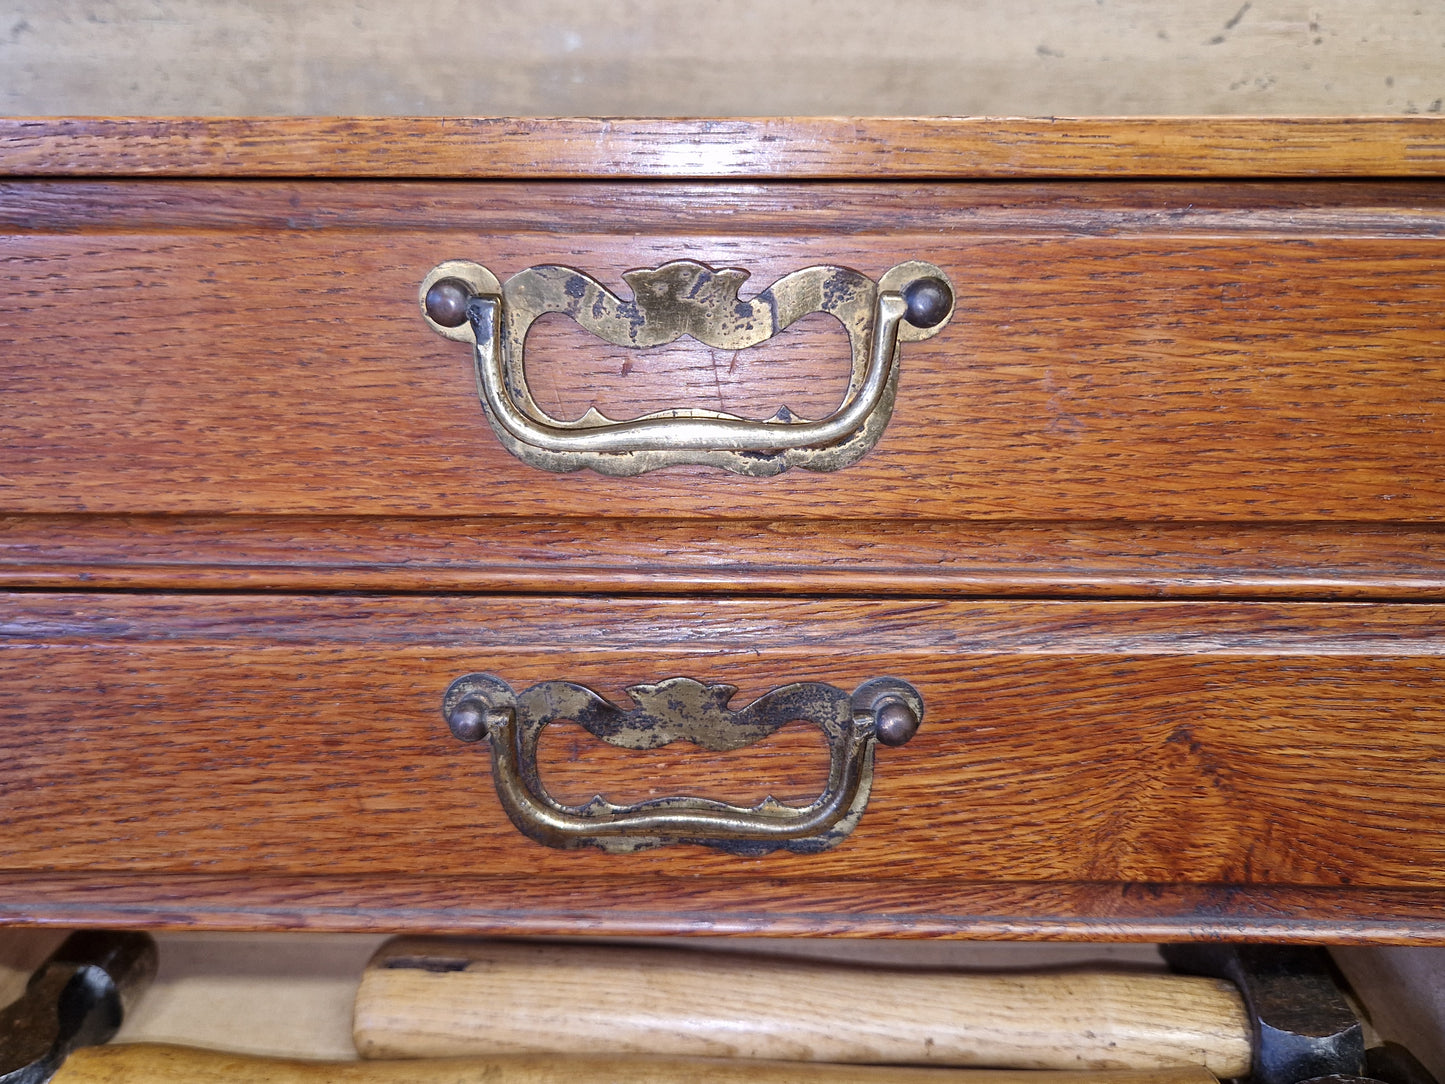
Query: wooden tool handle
point(151, 1063)
point(445, 999)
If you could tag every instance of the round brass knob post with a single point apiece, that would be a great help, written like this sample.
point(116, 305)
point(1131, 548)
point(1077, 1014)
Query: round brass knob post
point(929, 302)
point(895, 722)
point(468, 721)
point(446, 302)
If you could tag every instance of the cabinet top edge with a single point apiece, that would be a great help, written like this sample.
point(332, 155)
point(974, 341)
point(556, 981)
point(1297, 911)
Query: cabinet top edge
point(817, 148)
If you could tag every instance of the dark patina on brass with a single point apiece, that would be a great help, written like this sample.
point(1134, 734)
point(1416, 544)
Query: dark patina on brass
point(465, 301)
point(681, 709)
point(927, 301)
point(446, 302)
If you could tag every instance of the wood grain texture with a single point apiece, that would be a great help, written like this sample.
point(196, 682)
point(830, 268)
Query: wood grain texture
point(713, 906)
point(454, 998)
point(1151, 387)
point(289, 996)
point(724, 556)
point(895, 148)
point(159, 1064)
point(1105, 364)
point(1065, 743)
point(1348, 208)
point(745, 58)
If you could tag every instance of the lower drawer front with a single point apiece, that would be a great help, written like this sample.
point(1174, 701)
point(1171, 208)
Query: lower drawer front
point(1083, 769)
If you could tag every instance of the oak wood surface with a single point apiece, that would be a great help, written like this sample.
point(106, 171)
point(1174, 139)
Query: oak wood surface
point(1349, 207)
point(711, 906)
point(449, 998)
point(1138, 353)
point(1248, 744)
point(815, 147)
point(725, 556)
point(1151, 388)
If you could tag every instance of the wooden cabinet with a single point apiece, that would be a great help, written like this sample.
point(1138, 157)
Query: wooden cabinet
point(1154, 528)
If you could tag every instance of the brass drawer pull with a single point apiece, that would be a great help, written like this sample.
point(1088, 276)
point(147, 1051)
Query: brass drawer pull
point(885, 710)
point(464, 301)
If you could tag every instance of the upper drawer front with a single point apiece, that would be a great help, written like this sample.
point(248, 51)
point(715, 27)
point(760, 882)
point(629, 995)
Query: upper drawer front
point(1141, 352)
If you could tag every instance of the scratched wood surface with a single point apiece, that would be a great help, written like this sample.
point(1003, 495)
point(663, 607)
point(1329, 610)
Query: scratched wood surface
point(742, 58)
point(878, 148)
point(1267, 747)
point(1146, 355)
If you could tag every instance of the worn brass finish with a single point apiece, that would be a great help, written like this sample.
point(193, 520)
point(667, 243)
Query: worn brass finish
point(677, 709)
point(687, 298)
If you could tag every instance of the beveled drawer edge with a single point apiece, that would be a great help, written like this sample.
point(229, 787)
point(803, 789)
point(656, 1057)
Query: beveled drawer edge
point(656, 906)
point(551, 624)
point(1267, 209)
point(922, 558)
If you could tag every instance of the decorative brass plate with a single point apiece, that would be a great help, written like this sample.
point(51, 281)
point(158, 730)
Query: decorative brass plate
point(884, 710)
point(464, 301)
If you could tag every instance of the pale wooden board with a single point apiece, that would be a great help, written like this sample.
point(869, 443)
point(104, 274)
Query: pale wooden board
point(288, 995)
point(150, 1063)
point(428, 997)
point(741, 58)
point(291, 996)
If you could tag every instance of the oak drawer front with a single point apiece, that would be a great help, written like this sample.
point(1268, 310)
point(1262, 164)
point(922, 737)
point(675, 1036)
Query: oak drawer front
point(1226, 388)
point(1101, 766)
point(1147, 352)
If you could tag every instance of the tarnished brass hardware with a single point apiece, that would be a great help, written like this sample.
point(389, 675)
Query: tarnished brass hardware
point(927, 302)
point(446, 302)
point(680, 709)
point(896, 722)
point(464, 301)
